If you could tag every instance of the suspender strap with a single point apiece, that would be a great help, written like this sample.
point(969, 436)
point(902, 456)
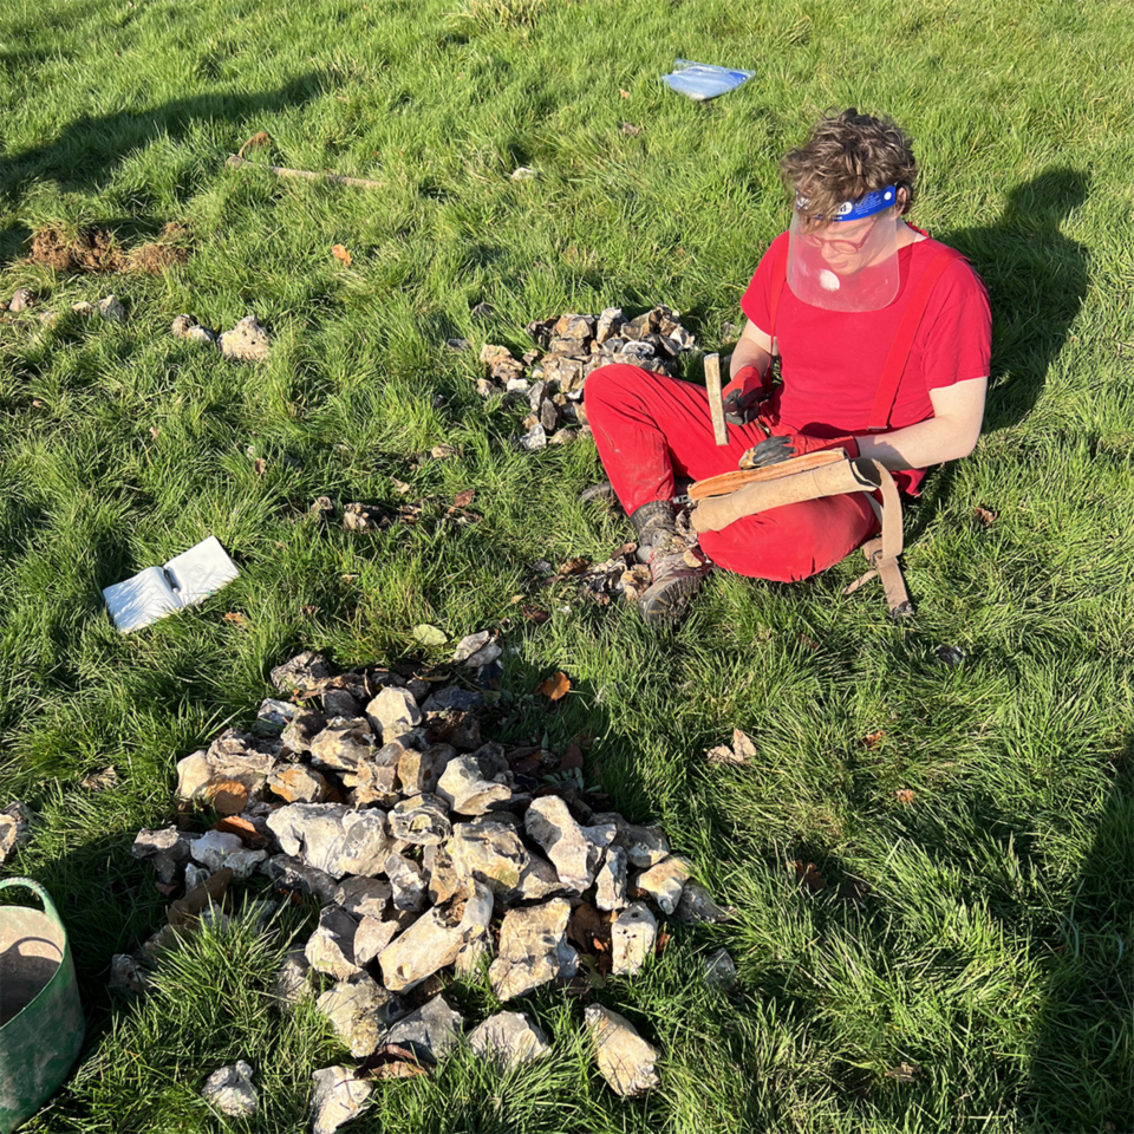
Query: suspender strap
point(903, 340)
point(779, 282)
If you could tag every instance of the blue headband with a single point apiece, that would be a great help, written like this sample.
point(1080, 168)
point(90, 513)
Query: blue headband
point(866, 206)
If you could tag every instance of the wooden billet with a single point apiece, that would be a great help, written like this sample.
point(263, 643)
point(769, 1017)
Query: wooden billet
point(716, 406)
point(731, 481)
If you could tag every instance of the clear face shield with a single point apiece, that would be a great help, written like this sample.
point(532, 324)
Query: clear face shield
point(850, 263)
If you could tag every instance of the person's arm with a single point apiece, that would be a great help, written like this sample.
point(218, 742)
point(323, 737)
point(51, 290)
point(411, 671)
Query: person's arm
point(951, 432)
point(754, 349)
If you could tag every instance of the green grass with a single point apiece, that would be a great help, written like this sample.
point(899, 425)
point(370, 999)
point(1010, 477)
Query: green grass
point(990, 945)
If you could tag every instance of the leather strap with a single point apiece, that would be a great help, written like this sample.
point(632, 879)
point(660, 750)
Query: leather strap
point(903, 339)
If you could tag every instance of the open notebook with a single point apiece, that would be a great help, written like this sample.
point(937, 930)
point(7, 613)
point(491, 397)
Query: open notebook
point(157, 591)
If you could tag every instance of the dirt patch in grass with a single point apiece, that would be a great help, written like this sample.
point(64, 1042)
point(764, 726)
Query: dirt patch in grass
point(96, 250)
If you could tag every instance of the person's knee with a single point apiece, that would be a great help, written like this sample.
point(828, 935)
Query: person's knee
point(610, 385)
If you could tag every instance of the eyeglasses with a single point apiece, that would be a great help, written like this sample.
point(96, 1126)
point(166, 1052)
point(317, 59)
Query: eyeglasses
point(837, 244)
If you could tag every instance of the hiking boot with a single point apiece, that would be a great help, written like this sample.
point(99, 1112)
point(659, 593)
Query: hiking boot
point(676, 571)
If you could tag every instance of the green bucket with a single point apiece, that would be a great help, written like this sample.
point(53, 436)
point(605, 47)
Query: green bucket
point(41, 1019)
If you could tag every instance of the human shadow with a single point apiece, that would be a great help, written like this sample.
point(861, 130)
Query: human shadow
point(1081, 1075)
point(1037, 280)
point(84, 154)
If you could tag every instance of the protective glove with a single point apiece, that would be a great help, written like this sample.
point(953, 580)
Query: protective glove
point(742, 396)
point(784, 447)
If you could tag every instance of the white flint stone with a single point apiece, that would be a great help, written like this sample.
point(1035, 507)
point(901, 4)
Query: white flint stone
point(126, 974)
point(420, 819)
point(343, 744)
point(372, 936)
point(574, 850)
point(330, 949)
point(111, 309)
point(293, 979)
point(611, 880)
point(471, 788)
point(213, 848)
point(426, 947)
point(196, 876)
point(633, 936)
point(510, 1038)
point(231, 1091)
point(333, 838)
point(408, 881)
point(625, 1060)
point(486, 655)
point(359, 1009)
point(664, 882)
point(243, 863)
point(469, 645)
point(363, 897)
point(247, 341)
point(644, 846)
point(489, 851)
point(338, 1097)
point(291, 875)
point(697, 905)
point(393, 713)
point(432, 1031)
point(533, 949)
point(719, 969)
point(476, 940)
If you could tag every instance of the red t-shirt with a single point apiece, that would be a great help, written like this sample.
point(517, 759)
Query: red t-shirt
point(831, 360)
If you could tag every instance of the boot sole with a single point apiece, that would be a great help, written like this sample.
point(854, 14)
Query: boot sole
point(665, 603)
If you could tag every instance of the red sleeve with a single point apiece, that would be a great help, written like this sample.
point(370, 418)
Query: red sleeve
point(756, 302)
point(955, 336)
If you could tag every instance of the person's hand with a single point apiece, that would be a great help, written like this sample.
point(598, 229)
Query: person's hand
point(742, 396)
point(788, 445)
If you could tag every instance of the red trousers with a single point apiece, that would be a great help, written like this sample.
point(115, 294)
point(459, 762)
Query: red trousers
point(650, 429)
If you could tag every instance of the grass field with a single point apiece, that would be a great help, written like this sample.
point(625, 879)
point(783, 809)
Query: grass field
point(992, 951)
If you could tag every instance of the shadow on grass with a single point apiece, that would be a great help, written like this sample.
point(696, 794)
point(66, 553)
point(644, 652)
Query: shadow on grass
point(83, 155)
point(1037, 280)
point(1082, 1063)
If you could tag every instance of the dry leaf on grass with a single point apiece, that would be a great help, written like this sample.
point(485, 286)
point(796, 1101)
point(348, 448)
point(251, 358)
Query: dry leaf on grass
point(904, 1072)
point(871, 739)
point(260, 466)
point(624, 94)
point(574, 566)
point(464, 499)
point(905, 795)
point(392, 1061)
point(237, 617)
point(572, 758)
point(985, 515)
point(808, 874)
point(340, 253)
point(630, 129)
point(310, 611)
point(555, 687)
point(535, 614)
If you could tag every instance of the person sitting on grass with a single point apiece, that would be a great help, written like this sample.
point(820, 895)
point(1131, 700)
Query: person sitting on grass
point(830, 298)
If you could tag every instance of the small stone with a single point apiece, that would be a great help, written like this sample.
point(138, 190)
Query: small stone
point(625, 1060)
point(297, 783)
point(443, 879)
point(301, 730)
point(226, 797)
point(524, 173)
point(343, 744)
point(458, 344)
point(419, 772)
point(363, 897)
point(292, 876)
point(951, 656)
point(339, 703)
point(697, 905)
point(332, 838)
point(21, 300)
point(195, 876)
point(273, 717)
point(453, 697)
point(473, 926)
point(509, 1038)
point(719, 969)
point(393, 713)
point(633, 936)
point(201, 335)
point(611, 880)
point(330, 949)
point(664, 882)
point(430, 1032)
point(563, 436)
point(213, 847)
point(373, 782)
point(112, 310)
point(246, 342)
point(535, 439)
point(126, 975)
point(574, 851)
point(533, 949)
point(408, 881)
point(483, 311)
point(359, 1010)
point(293, 980)
point(49, 318)
point(644, 846)
point(181, 325)
point(489, 851)
point(304, 671)
point(231, 1091)
point(421, 819)
point(339, 1096)
point(426, 947)
point(470, 644)
point(373, 935)
point(474, 784)
point(486, 655)
point(101, 781)
point(15, 829)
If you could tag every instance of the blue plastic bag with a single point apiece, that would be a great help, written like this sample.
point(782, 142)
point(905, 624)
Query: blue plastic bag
point(703, 81)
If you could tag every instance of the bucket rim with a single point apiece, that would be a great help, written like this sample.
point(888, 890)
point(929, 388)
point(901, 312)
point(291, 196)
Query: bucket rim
point(52, 914)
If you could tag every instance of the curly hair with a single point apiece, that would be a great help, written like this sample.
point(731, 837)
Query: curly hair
point(845, 156)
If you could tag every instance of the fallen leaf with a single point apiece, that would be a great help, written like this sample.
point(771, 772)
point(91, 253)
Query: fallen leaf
point(663, 939)
point(871, 739)
point(155, 433)
point(237, 617)
point(905, 795)
point(340, 253)
point(38, 403)
point(904, 1072)
point(556, 686)
point(392, 1061)
point(808, 874)
point(310, 611)
point(589, 928)
point(624, 94)
point(721, 754)
point(574, 566)
point(440, 452)
point(260, 466)
point(810, 643)
point(535, 614)
point(631, 129)
point(572, 758)
point(400, 486)
point(238, 825)
point(464, 499)
point(429, 635)
point(985, 516)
